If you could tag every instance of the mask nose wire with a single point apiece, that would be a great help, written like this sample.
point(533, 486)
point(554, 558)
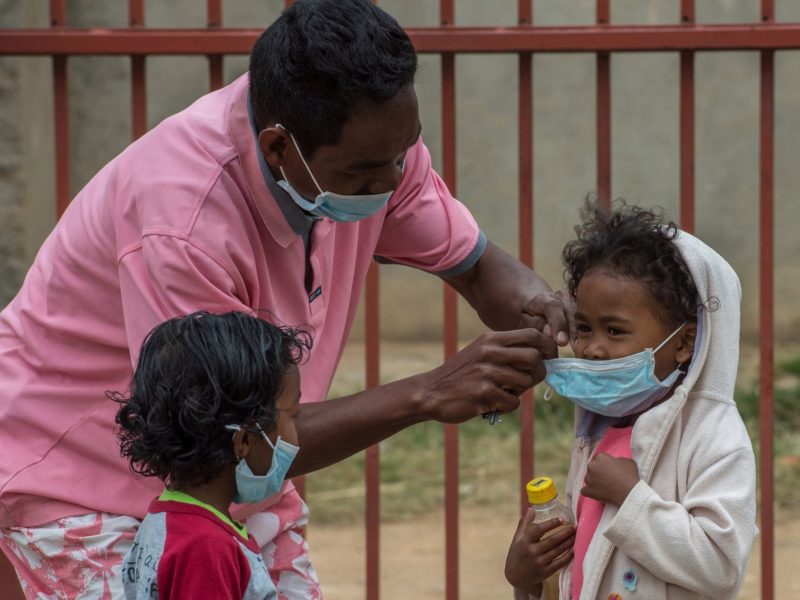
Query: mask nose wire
point(302, 158)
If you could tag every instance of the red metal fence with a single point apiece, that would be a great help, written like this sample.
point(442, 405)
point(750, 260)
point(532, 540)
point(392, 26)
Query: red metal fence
point(447, 40)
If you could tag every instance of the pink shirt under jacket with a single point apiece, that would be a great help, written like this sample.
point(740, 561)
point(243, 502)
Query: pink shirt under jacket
point(182, 220)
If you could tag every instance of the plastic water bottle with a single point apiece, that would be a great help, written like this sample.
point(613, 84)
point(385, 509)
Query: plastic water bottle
point(543, 496)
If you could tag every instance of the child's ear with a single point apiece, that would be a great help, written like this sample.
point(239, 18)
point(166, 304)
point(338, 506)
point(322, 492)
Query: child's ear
point(685, 348)
point(242, 443)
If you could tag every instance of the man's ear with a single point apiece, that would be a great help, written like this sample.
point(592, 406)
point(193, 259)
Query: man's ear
point(274, 143)
point(242, 443)
point(685, 348)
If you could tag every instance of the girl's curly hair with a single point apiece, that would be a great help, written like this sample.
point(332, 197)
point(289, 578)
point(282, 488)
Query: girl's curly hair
point(196, 374)
point(634, 243)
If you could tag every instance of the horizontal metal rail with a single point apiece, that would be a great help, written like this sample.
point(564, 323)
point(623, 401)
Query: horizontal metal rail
point(595, 38)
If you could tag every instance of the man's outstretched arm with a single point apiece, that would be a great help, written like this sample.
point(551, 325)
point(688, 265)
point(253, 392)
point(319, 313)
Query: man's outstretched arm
point(506, 295)
point(487, 375)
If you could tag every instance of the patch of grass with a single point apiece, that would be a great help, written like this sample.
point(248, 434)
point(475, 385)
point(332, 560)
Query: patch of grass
point(786, 425)
point(413, 474)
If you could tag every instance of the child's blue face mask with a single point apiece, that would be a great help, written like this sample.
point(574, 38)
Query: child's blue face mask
point(255, 488)
point(334, 206)
point(614, 388)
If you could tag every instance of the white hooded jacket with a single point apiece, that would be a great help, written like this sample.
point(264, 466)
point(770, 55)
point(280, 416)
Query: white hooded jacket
point(687, 528)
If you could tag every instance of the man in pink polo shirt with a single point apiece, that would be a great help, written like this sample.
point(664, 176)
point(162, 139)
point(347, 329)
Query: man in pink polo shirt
point(272, 194)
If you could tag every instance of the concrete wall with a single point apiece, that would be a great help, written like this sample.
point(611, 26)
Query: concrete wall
point(645, 146)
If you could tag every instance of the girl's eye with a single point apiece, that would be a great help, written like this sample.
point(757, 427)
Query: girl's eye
point(614, 331)
point(583, 328)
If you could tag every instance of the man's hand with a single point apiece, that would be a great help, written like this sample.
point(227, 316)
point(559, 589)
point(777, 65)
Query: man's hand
point(552, 313)
point(487, 375)
point(532, 559)
point(609, 479)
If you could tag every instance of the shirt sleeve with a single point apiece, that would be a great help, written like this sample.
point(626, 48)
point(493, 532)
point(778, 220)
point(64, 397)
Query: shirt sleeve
point(425, 227)
point(166, 277)
point(702, 543)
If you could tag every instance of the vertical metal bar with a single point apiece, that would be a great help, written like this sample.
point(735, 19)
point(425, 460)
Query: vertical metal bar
point(603, 112)
point(58, 19)
point(766, 307)
point(687, 211)
point(447, 19)
point(214, 21)
point(372, 466)
point(527, 412)
point(138, 75)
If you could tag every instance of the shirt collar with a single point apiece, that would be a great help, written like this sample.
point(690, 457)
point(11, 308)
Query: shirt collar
point(241, 135)
point(298, 220)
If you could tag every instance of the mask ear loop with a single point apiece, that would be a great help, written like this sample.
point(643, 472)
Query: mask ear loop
point(671, 335)
point(264, 435)
point(302, 158)
point(237, 428)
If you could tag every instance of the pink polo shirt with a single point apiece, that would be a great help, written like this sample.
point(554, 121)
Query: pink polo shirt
point(182, 220)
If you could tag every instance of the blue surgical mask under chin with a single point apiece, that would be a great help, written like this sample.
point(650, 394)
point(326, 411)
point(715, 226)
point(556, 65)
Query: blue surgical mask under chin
point(614, 388)
point(254, 488)
point(336, 207)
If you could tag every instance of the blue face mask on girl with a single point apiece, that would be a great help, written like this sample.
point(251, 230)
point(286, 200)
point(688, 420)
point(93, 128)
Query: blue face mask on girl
point(614, 388)
point(334, 206)
point(255, 488)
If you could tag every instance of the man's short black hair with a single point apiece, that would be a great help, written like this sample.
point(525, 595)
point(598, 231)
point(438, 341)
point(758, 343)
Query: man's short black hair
point(322, 58)
point(634, 243)
point(196, 374)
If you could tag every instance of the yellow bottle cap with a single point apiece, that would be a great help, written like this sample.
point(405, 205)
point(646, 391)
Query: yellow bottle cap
point(541, 490)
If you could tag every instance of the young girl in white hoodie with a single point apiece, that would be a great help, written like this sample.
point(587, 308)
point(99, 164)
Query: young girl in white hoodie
point(662, 477)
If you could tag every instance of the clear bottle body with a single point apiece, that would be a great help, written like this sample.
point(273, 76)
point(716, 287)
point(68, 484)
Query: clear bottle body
point(544, 512)
point(551, 510)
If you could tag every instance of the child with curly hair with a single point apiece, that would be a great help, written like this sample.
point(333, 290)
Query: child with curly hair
point(210, 412)
point(662, 476)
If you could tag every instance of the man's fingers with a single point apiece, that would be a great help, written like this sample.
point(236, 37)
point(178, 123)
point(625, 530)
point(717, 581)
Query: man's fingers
point(519, 337)
point(558, 311)
point(555, 314)
point(503, 401)
point(528, 321)
point(514, 368)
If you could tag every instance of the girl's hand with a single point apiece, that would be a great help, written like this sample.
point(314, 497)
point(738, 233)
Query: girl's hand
point(609, 479)
point(532, 559)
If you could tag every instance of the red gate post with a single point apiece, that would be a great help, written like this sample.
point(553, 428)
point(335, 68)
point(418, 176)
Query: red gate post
point(603, 112)
point(525, 212)
point(447, 20)
point(214, 21)
point(766, 310)
point(687, 126)
point(138, 75)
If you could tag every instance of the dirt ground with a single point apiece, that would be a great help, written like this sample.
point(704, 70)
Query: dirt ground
point(412, 558)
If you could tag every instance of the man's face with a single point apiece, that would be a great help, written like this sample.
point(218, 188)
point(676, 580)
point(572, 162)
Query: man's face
point(368, 158)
